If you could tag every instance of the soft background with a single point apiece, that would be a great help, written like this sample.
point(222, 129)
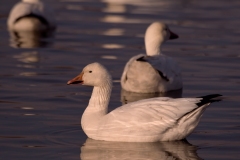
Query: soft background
point(40, 114)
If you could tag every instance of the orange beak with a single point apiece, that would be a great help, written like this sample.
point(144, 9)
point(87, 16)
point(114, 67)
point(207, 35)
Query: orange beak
point(173, 35)
point(76, 80)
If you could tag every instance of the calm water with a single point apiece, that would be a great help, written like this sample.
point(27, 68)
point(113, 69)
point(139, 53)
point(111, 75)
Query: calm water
point(40, 114)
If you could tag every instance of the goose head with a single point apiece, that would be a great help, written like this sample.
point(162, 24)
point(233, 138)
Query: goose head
point(93, 74)
point(156, 34)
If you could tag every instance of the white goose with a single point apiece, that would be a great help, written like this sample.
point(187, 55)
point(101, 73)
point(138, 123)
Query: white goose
point(153, 72)
point(31, 15)
point(149, 120)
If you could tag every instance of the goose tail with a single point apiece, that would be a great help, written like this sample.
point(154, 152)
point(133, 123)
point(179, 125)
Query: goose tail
point(209, 99)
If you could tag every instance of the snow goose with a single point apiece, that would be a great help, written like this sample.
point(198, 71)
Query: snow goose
point(148, 120)
point(153, 72)
point(31, 15)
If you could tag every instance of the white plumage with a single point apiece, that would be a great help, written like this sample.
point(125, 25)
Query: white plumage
point(149, 120)
point(154, 72)
point(31, 15)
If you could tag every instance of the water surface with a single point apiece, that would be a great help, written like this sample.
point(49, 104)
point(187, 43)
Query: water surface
point(40, 114)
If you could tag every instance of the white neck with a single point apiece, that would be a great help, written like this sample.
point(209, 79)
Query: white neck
point(100, 97)
point(153, 45)
point(97, 108)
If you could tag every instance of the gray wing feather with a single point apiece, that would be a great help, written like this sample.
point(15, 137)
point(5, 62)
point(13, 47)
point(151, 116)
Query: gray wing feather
point(164, 64)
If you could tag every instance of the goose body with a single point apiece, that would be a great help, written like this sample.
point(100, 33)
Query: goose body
point(153, 71)
point(149, 120)
point(31, 15)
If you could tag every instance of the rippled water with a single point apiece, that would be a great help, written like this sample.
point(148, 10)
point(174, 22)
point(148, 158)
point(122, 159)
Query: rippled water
point(40, 114)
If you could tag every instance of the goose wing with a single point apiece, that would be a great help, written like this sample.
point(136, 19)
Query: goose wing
point(148, 117)
point(167, 67)
point(128, 65)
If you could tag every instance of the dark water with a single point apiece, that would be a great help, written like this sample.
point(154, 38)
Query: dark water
point(40, 114)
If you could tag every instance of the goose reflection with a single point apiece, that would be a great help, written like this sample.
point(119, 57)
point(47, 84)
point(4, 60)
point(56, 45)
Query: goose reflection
point(181, 150)
point(30, 39)
point(28, 57)
point(127, 97)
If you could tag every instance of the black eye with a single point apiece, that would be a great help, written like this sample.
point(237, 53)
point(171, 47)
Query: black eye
point(90, 71)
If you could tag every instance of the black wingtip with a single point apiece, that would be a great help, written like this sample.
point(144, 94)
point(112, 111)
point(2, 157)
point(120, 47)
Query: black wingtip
point(41, 18)
point(141, 59)
point(209, 99)
point(163, 77)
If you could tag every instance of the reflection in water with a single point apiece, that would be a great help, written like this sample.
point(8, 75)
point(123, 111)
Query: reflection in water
point(104, 150)
point(113, 32)
point(108, 57)
point(127, 97)
point(112, 46)
point(29, 114)
point(28, 57)
point(27, 108)
point(30, 39)
point(28, 74)
point(28, 111)
point(138, 6)
point(115, 8)
point(30, 60)
point(113, 19)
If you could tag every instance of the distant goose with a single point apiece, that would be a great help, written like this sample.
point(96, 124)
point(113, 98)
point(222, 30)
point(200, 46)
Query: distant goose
point(153, 72)
point(31, 15)
point(149, 120)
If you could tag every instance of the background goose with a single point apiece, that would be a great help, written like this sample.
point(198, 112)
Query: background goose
point(153, 72)
point(149, 120)
point(31, 15)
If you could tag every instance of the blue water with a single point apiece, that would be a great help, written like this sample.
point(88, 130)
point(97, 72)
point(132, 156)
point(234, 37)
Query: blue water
point(40, 115)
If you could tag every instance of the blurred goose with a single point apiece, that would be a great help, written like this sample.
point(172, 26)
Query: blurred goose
point(153, 72)
point(149, 120)
point(31, 15)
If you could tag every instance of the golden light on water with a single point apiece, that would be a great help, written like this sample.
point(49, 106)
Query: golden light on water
point(112, 46)
point(109, 57)
point(113, 32)
point(114, 8)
